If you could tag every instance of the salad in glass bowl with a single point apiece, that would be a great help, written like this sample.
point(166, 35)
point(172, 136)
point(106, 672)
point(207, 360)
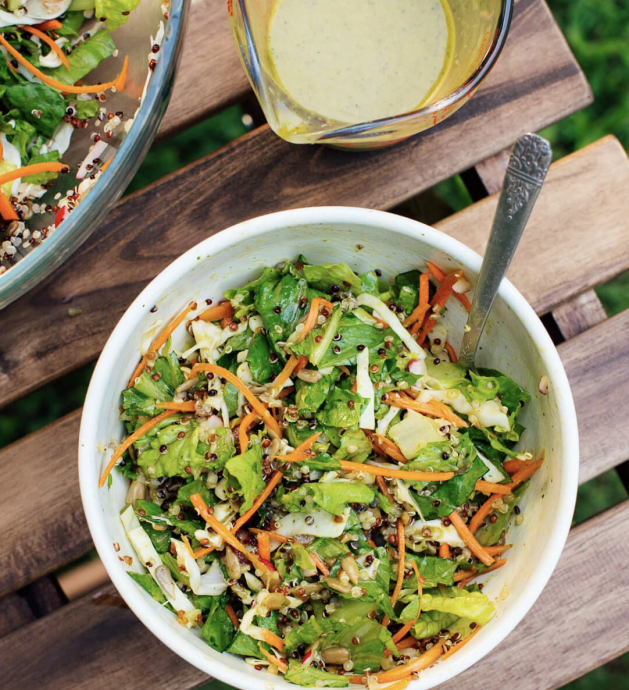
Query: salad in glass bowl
point(315, 483)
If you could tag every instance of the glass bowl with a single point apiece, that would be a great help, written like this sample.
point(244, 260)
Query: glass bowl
point(479, 29)
point(133, 39)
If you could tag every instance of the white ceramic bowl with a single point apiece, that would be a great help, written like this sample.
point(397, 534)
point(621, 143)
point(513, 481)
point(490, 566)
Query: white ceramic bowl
point(515, 342)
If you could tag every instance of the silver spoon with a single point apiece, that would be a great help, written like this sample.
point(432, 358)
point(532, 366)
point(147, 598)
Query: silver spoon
point(525, 174)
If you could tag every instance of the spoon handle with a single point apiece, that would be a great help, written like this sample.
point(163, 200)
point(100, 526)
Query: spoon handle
point(525, 174)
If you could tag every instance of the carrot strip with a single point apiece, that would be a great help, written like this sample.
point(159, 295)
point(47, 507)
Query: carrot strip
point(217, 312)
point(419, 664)
point(31, 169)
point(438, 303)
point(188, 406)
point(433, 408)
point(439, 275)
point(482, 513)
point(119, 82)
point(268, 490)
point(49, 25)
point(264, 545)
point(399, 635)
point(460, 644)
point(469, 539)
point(186, 541)
point(406, 643)
point(371, 543)
point(286, 390)
point(302, 362)
point(313, 315)
point(229, 610)
point(251, 398)
point(1, 151)
point(203, 552)
point(300, 454)
point(272, 639)
point(463, 582)
point(512, 466)
point(382, 485)
point(390, 448)
point(284, 375)
point(450, 350)
point(401, 547)
point(49, 42)
point(400, 685)
point(271, 658)
point(423, 304)
point(492, 488)
point(272, 535)
point(400, 474)
point(321, 566)
point(161, 339)
point(246, 422)
point(444, 551)
point(497, 550)
point(345, 370)
point(7, 210)
point(525, 473)
point(106, 164)
point(129, 441)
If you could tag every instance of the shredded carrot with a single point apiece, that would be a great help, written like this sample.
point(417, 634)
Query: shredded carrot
point(498, 549)
point(262, 411)
point(7, 210)
point(469, 539)
point(272, 535)
point(272, 639)
point(217, 312)
point(286, 390)
point(444, 551)
point(438, 303)
point(464, 574)
point(268, 490)
point(186, 542)
point(1, 151)
point(492, 488)
point(400, 685)
point(423, 304)
point(106, 164)
point(264, 545)
point(406, 643)
point(439, 275)
point(199, 553)
point(302, 362)
point(371, 543)
point(129, 441)
point(345, 370)
point(300, 454)
point(160, 340)
point(382, 485)
point(229, 610)
point(512, 466)
point(483, 512)
point(49, 25)
point(401, 547)
point(119, 82)
point(383, 446)
point(313, 315)
point(321, 566)
point(460, 644)
point(525, 473)
point(400, 474)
point(271, 658)
point(399, 672)
point(471, 575)
point(399, 635)
point(452, 354)
point(49, 42)
point(284, 375)
point(31, 169)
point(432, 408)
point(246, 422)
point(188, 406)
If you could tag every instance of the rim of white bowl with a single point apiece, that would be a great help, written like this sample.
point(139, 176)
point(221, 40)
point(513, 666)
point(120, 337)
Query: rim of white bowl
point(492, 634)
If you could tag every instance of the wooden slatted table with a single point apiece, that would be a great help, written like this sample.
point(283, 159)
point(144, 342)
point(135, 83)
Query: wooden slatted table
point(577, 238)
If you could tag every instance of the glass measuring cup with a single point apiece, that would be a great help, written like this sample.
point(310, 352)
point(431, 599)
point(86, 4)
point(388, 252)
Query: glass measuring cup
point(478, 30)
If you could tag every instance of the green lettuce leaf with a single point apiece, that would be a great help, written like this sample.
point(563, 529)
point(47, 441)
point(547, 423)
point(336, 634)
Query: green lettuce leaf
point(310, 396)
point(218, 630)
point(196, 486)
point(374, 638)
point(369, 283)
point(31, 96)
point(342, 409)
point(323, 276)
point(180, 452)
point(84, 58)
point(243, 645)
point(310, 677)
point(355, 446)
point(146, 581)
point(310, 631)
point(406, 290)
point(319, 340)
point(333, 497)
point(489, 533)
point(42, 177)
point(431, 623)
point(258, 357)
point(115, 12)
point(325, 548)
point(459, 602)
point(242, 298)
point(435, 571)
point(244, 476)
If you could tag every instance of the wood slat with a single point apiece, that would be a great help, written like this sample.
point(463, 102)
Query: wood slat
point(579, 314)
point(41, 541)
point(210, 76)
point(260, 173)
point(80, 645)
point(14, 613)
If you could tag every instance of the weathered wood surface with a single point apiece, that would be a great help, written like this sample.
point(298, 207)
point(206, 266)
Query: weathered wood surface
point(14, 613)
point(579, 314)
point(210, 76)
point(85, 645)
point(260, 173)
point(56, 533)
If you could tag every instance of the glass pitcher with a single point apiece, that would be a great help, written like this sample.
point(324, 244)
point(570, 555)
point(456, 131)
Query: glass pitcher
point(477, 33)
